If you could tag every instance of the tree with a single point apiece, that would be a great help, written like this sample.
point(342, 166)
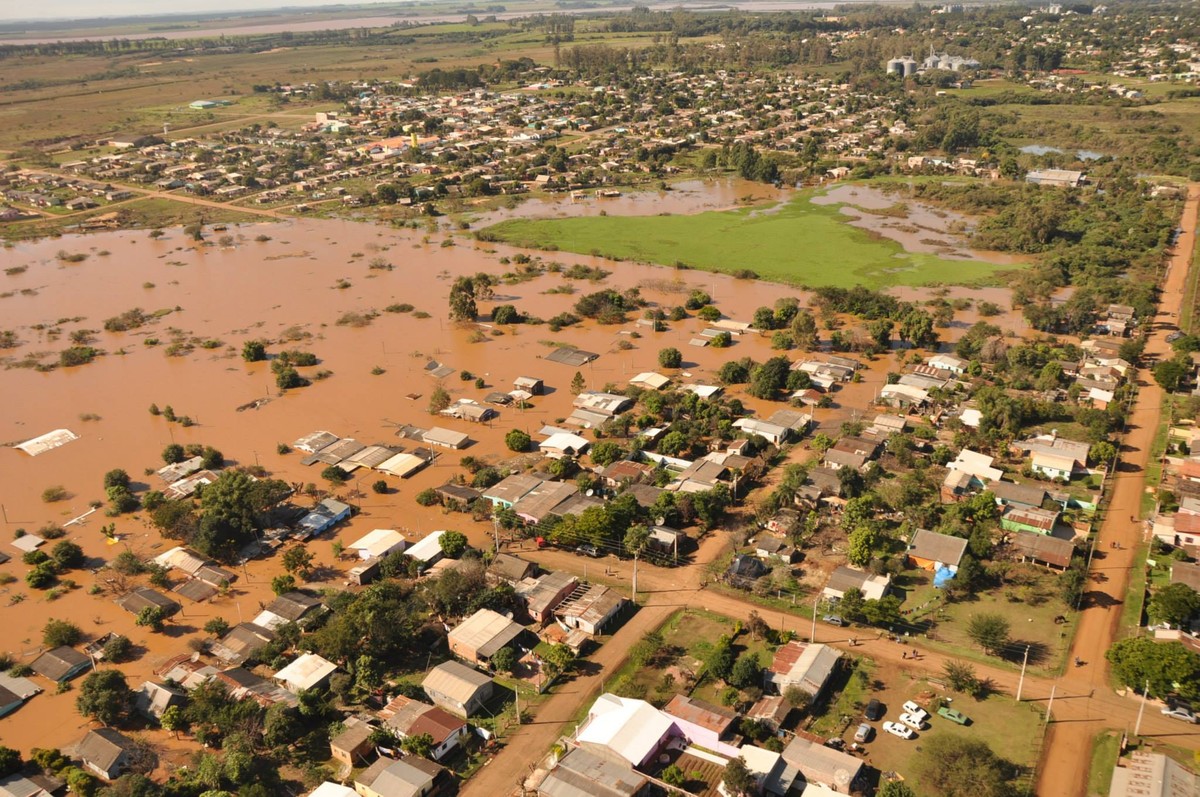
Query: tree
point(961, 677)
point(989, 631)
point(232, 509)
point(746, 672)
point(335, 475)
point(10, 761)
point(283, 583)
point(577, 384)
point(670, 358)
point(117, 649)
point(420, 744)
point(253, 351)
point(152, 617)
point(453, 544)
point(673, 776)
point(60, 633)
point(117, 478)
point(517, 440)
point(605, 453)
point(1169, 374)
point(1175, 604)
point(298, 560)
point(769, 378)
point(895, 788)
point(462, 300)
point(67, 555)
point(958, 766)
point(1168, 667)
point(439, 400)
point(738, 780)
point(173, 720)
point(1102, 453)
point(861, 545)
point(719, 660)
point(105, 697)
point(504, 660)
point(173, 453)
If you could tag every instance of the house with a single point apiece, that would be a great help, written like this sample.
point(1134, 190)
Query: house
point(583, 773)
point(948, 362)
point(330, 789)
point(538, 504)
point(511, 569)
point(956, 486)
point(770, 710)
point(805, 665)
point(407, 717)
point(650, 380)
point(153, 699)
point(978, 466)
point(410, 776)
point(774, 775)
point(457, 688)
point(456, 494)
point(624, 472)
point(19, 686)
point(144, 598)
point(851, 452)
point(543, 595)
point(446, 438)
point(245, 685)
point(1186, 573)
point(590, 608)
point(21, 786)
point(903, 395)
point(323, 517)
point(290, 607)
point(625, 727)
point(1057, 178)
point(468, 410)
point(104, 752)
point(704, 724)
point(665, 540)
point(308, 671)
point(480, 636)
point(378, 544)
point(768, 547)
point(186, 670)
point(607, 404)
point(353, 745)
point(508, 491)
point(1038, 521)
point(823, 765)
point(428, 549)
point(1042, 549)
point(845, 578)
point(562, 445)
point(940, 553)
point(530, 385)
point(1147, 774)
point(241, 643)
point(1054, 456)
point(1053, 466)
point(1026, 496)
point(744, 570)
point(60, 664)
point(771, 432)
point(9, 701)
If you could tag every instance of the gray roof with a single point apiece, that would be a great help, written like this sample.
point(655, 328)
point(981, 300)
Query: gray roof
point(456, 681)
point(937, 547)
point(293, 605)
point(1011, 493)
point(103, 748)
point(57, 664)
point(403, 777)
point(569, 356)
point(146, 598)
point(583, 773)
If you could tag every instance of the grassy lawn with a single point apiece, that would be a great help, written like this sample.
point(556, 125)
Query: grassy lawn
point(1029, 602)
point(797, 242)
point(1135, 596)
point(1011, 729)
point(1105, 751)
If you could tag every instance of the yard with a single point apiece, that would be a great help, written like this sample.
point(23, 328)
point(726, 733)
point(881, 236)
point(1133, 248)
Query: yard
point(1028, 600)
point(796, 242)
point(1011, 729)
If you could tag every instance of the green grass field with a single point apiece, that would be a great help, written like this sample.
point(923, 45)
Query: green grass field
point(798, 243)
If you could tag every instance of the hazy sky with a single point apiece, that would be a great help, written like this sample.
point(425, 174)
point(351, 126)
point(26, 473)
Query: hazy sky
point(89, 9)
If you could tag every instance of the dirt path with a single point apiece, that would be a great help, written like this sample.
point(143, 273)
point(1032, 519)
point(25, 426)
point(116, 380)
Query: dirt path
point(1067, 749)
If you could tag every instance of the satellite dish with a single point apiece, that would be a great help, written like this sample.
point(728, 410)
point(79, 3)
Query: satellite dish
point(590, 493)
point(660, 521)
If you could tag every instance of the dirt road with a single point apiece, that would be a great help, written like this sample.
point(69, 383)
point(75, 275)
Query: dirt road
point(1067, 750)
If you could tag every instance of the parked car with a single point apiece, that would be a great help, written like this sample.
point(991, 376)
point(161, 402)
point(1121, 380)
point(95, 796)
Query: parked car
point(912, 708)
point(875, 710)
point(588, 549)
point(833, 619)
point(864, 732)
point(1174, 336)
point(954, 716)
point(1181, 713)
point(896, 729)
point(913, 721)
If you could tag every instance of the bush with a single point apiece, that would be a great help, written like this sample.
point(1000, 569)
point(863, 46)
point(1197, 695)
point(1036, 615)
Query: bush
point(427, 497)
point(517, 440)
point(54, 493)
point(117, 649)
point(57, 633)
point(379, 487)
point(670, 358)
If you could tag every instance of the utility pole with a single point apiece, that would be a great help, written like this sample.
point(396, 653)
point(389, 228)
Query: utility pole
point(635, 561)
point(1050, 705)
point(496, 532)
point(812, 637)
point(1021, 683)
point(1137, 729)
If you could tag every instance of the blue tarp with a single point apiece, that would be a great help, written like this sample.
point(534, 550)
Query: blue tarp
point(942, 575)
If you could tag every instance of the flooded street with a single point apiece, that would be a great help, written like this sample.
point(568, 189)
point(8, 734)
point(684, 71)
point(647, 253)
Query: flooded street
point(295, 287)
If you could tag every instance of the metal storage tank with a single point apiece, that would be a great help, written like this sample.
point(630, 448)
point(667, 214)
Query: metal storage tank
point(895, 66)
point(910, 66)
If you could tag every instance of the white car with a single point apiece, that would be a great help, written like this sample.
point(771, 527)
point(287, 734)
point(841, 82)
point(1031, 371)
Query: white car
point(1181, 713)
point(896, 729)
point(913, 721)
point(916, 711)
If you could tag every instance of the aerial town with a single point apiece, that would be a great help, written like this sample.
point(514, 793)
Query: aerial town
point(569, 400)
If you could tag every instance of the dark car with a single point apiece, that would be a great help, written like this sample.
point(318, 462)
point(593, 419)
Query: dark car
point(875, 710)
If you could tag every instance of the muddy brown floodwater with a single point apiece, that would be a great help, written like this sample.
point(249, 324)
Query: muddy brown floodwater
point(286, 286)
